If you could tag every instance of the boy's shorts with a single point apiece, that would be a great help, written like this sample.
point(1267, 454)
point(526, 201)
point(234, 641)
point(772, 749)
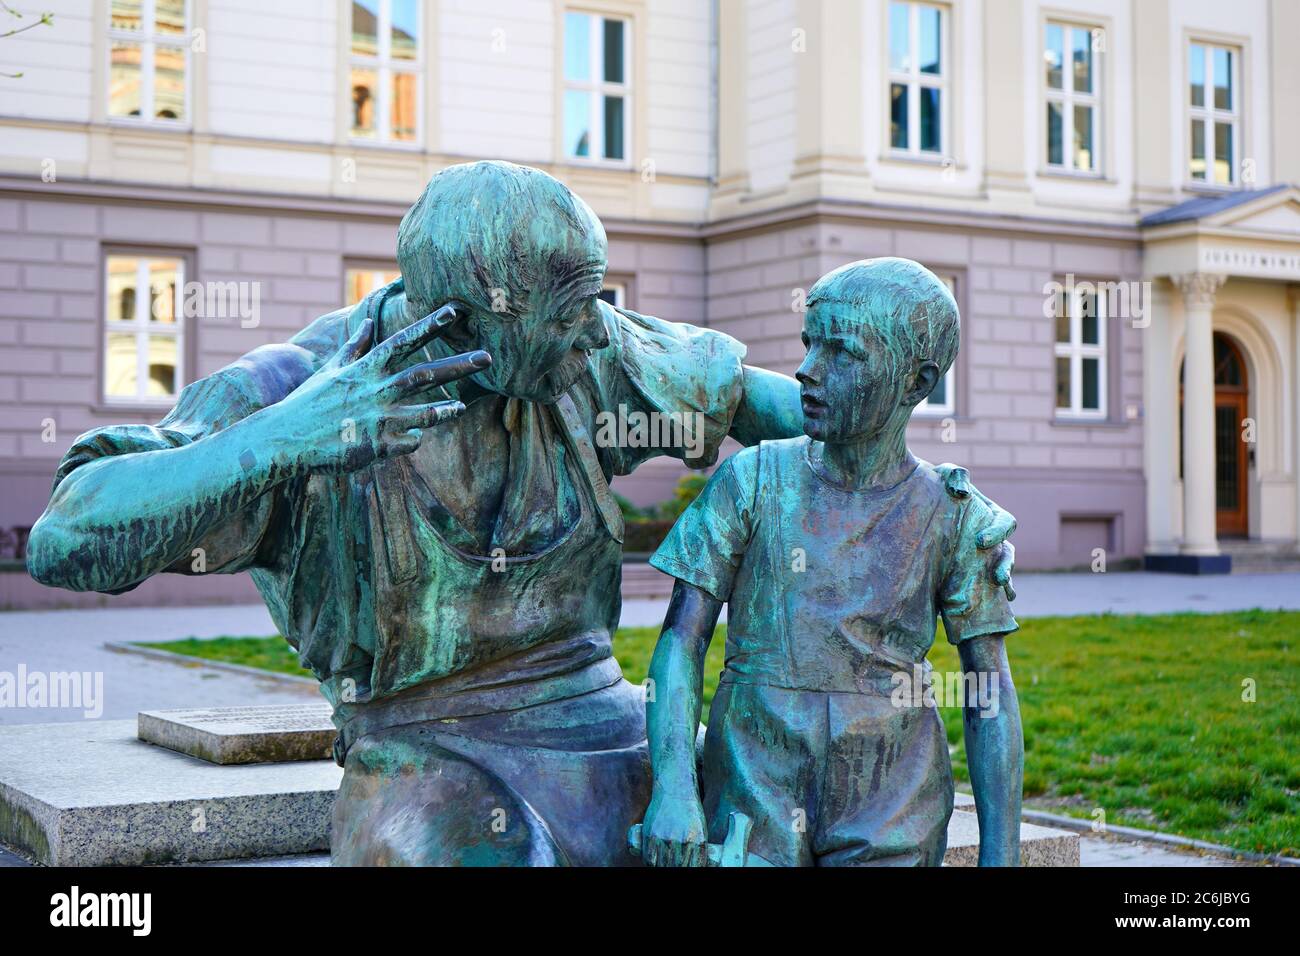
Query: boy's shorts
point(829, 779)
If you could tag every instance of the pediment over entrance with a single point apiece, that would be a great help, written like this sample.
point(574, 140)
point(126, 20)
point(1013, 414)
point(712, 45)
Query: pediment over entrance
point(1252, 233)
point(1274, 215)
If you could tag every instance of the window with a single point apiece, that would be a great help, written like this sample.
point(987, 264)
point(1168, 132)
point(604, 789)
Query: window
point(1213, 111)
point(597, 88)
point(148, 61)
point(1081, 352)
point(615, 294)
point(917, 77)
point(385, 70)
point(1073, 100)
point(943, 400)
point(360, 281)
point(144, 333)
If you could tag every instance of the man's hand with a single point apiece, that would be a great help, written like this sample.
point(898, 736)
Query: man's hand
point(674, 831)
point(353, 410)
point(993, 526)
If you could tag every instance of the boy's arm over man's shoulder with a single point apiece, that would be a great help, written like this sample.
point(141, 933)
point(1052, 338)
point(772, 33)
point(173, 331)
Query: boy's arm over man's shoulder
point(707, 543)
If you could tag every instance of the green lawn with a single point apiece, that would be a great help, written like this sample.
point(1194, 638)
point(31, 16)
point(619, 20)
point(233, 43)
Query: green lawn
point(1142, 717)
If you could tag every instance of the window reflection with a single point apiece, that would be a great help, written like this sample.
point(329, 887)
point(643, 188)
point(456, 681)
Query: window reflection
point(169, 82)
point(363, 102)
point(365, 27)
point(143, 335)
point(124, 80)
point(125, 15)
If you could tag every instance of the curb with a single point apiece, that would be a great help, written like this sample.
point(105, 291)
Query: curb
point(185, 660)
point(1153, 836)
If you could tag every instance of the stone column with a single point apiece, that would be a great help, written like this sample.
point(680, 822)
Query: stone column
point(1199, 537)
point(1160, 419)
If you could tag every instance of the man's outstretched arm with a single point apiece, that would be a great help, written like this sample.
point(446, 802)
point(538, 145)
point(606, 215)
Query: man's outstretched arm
point(115, 521)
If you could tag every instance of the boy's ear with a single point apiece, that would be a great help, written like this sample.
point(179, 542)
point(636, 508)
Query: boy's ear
point(927, 377)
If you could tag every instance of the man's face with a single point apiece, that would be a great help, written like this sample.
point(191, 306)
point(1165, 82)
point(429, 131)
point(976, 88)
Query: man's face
point(538, 343)
point(847, 383)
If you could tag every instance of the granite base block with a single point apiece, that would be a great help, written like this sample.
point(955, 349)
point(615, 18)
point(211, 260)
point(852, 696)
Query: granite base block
point(92, 794)
point(1039, 846)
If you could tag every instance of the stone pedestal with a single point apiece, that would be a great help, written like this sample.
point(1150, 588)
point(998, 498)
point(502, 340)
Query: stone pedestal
point(92, 794)
point(234, 735)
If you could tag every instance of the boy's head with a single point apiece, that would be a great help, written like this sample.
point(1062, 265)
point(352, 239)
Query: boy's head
point(880, 334)
point(523, 257)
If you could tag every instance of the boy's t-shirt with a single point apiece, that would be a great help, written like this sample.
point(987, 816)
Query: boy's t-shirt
point(829, 588)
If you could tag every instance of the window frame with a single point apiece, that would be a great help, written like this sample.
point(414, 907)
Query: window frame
point(949, 407)
point(1068, 97)
point(385, 67)
point(181, 331)
point(597, 89)
point(149, 39)
point(619, 288)
point(1210, 114)
point(913, 79)
point(1076, 350)
point(374, 267)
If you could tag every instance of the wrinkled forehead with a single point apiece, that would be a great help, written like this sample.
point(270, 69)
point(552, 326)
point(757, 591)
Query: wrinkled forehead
point(842, 322)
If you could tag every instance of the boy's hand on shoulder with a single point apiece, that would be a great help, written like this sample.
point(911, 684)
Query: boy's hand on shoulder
point(674, 832)
point(990, 524)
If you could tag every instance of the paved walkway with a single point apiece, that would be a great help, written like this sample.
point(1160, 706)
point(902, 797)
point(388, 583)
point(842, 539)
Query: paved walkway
point(1119, 592)
point(65, 641)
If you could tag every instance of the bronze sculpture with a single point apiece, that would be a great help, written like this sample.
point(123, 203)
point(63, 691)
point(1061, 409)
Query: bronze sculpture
point(433, 530)
point(835, 552)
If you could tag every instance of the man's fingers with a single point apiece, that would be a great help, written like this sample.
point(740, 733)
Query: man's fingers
point(427, 416)
point(418, 334)
point(1001, 524)
point(956, 479)
point(419, 378)
point(1002, 571)
point(402, 442)
point(358, 345)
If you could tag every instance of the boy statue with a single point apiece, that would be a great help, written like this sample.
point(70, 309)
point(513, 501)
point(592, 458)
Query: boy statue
point(835, 552)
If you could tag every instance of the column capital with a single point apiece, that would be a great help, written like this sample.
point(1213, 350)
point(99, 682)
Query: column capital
point(1199, 288)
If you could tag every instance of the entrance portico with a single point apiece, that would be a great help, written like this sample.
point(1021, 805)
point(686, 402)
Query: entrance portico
point(1220, 358)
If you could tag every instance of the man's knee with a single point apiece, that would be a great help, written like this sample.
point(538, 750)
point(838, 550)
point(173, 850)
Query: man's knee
point(404, 802)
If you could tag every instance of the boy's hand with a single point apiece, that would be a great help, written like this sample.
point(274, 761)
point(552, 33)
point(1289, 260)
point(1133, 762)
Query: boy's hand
point(993, 525)
point(674, 832)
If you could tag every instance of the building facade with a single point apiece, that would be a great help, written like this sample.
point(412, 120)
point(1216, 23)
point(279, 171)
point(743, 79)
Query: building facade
point(1102, 182)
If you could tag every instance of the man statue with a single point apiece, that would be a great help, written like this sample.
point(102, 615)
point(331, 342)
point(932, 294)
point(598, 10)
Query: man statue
point(432, 528)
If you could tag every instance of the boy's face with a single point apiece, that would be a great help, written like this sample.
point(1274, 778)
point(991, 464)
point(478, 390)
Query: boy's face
point(847, 380)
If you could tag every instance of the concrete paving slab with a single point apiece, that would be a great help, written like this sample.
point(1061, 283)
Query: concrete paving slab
point(92, 794)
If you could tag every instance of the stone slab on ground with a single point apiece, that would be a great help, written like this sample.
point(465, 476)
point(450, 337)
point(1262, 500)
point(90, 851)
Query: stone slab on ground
point(269, 733)
point(93, 794)
point(1039, 846)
